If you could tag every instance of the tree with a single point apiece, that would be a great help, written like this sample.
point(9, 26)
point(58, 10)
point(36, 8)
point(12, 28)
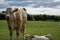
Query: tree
point(2, 16)
point(29, 17)
point(44, 17)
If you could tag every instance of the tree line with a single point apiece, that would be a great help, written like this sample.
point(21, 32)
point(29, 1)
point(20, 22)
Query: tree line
point(40, 17)
point(43, 17)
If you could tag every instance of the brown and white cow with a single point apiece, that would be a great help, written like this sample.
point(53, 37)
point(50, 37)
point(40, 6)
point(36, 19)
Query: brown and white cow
point(36, 37)
point(16, 20)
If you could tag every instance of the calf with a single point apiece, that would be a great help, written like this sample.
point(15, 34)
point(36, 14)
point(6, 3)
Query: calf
point(35, 37)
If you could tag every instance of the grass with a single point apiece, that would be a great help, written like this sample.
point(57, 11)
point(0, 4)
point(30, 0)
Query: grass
point(33, 27)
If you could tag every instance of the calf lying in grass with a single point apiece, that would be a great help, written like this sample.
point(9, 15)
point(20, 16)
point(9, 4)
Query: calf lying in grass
point(35, 37)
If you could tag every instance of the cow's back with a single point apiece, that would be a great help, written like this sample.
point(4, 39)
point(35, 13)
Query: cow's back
point(20, 18)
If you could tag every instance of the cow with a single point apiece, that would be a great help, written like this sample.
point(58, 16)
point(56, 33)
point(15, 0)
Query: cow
point(16, 20)
point(35, 37)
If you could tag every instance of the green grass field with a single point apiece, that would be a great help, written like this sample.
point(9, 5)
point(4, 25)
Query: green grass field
point(33, 27)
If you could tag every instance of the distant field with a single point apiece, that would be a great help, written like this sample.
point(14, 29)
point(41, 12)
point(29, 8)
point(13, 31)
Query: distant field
point(33, 27)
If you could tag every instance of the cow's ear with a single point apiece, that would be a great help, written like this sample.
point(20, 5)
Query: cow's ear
point(3, 11)
point(24, 9)
point(15, 10)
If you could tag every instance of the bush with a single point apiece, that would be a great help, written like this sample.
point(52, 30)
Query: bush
point(30, 17)
point(2, 16)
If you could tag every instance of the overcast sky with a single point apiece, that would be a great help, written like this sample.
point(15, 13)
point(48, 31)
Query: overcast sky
point(50, 7)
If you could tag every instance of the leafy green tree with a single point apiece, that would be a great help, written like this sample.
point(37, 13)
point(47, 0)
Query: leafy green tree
point(2, 16)
point(29, 17)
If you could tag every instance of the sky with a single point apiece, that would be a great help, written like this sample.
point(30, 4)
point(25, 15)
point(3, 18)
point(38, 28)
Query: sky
point(49, 7)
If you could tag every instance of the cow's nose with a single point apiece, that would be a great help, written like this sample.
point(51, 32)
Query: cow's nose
point(7, 17)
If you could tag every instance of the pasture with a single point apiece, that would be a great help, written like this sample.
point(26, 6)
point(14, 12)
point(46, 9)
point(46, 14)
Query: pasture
point(33, 27)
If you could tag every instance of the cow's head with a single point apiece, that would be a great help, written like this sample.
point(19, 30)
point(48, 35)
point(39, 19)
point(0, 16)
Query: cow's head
point(8, 11)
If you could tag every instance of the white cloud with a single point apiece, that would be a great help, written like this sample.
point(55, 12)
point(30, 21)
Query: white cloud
point(31, 5)
point(38, 10)
point(58, 6)
point(56, 0)
point(45, 0)
point(1, 1)
point(41, 10)
point(2, 9)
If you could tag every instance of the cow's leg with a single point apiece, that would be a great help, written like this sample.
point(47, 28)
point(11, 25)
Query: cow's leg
point(17, 34)
point(10, 28)
point(10, 31)
point(10, 35)
point(23, 29)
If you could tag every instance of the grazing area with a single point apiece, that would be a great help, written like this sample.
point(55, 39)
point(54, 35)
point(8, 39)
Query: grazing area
point(34, 28)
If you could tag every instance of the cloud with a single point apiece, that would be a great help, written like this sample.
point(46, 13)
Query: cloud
point(1, 1)
point(33, 3)
point(56, 0)
point(42, 10)
point(58, 7)
point(37, 3)
point(50, 7)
